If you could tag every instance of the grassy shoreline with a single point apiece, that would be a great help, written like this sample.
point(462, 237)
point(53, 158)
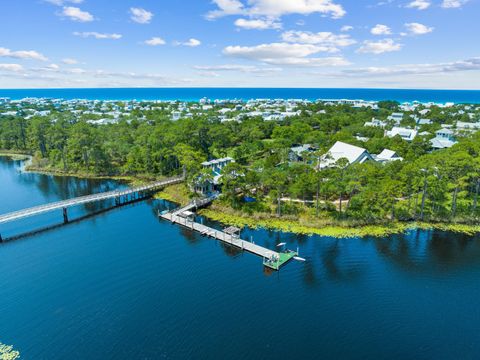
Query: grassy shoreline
point(17, 156)
point(134, 180)
point(331, 230)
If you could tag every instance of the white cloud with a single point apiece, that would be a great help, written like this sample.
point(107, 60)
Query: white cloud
point(346, 28)
point(271, 51)
point(70, 61)
point(11, 67)
point(418, 29)
point(96, 35)
point(472, 64)
point(313, 62)
point(419, 4)
point(380, 29)
point(22, 54)
point(62, 2)
point(257, 24)
point(155, 41)
point(75, 14)
point(227, 7)
point(284, 54)
point(452, 4)
point(276, 8)
point(328, 39)
point(140, 15)
point(76, 71)
point(379, 47)
point(238, 68)
point(191, 43)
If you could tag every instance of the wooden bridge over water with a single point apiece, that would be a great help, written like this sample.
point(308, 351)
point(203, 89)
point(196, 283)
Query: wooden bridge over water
point(121, 197)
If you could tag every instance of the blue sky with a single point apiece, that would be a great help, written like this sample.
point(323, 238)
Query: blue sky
point(240, 43)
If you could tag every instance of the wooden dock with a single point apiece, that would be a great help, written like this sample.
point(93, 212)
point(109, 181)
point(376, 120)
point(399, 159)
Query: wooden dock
point(271, 259)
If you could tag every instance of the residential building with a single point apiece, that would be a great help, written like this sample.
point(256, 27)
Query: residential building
point(396, 117)
point(443, 140)
point(404, 133)
point(215, 166)
point(387, 155)
point(339, 150)
point(297, 153)
point(375, 123)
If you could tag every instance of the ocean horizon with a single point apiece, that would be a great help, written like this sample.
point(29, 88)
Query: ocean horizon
point(195, 94)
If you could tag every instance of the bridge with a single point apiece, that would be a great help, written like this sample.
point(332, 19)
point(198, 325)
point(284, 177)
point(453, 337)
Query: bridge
point(121, 197)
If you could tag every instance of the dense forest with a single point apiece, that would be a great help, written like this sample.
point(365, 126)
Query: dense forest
point(428, 185)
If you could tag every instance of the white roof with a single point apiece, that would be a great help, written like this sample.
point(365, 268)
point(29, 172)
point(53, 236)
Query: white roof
point(441, 143)
point(343, 150)
point(407, 134)
point(387, 154)
point(217, 161)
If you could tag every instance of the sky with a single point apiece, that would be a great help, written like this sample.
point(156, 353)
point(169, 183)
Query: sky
point(428, 44)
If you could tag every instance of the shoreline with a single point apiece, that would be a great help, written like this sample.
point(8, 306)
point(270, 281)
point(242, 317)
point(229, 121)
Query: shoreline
point(178, 194)
point(333, 230)
point(195, 94)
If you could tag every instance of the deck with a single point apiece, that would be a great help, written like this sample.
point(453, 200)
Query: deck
point(272, 259)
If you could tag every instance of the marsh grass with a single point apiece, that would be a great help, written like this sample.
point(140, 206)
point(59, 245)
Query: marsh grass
point(307, 225)
point(177, 193)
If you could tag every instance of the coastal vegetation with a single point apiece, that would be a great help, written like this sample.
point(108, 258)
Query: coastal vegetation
point(8, 353)
point(435, 187)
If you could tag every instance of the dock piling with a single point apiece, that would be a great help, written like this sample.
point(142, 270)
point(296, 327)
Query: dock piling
point(65, 216)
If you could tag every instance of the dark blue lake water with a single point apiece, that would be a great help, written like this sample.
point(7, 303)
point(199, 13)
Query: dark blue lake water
point(195, 94)
point(125, 285)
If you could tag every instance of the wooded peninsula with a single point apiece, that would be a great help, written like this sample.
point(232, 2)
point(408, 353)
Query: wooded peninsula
point(296, 165)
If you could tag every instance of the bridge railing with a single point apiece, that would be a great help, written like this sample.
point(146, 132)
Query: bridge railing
point(85, 199)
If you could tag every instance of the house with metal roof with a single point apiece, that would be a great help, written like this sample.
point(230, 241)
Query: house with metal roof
point(404, 133)
point(298, 153)
point(443, 140)
point(387, 155)
point(215, 166)
point(396, 117)
point(375, 123)
point(353, 154)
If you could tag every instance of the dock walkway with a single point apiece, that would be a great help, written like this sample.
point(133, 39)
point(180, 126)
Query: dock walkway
point(271, 259)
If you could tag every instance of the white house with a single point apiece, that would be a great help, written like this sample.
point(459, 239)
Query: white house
point(176, 115)
point(443, 140)
point(467, 126)
point(396, 117)
point(404, 133)
point(375, 123)
point(424, 122)
point(354, 155)
point(387, 155)
point(216, 166)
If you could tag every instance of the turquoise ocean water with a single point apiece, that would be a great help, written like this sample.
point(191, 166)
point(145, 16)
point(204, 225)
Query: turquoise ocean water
point(193, 94)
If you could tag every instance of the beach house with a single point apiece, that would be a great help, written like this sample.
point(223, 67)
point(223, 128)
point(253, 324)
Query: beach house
point(353, 154)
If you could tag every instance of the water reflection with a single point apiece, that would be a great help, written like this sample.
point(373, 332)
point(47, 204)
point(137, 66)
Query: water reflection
point(430, 250)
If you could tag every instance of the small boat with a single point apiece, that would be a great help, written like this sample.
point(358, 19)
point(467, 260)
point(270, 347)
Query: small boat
point(298, 258)
point(281, 244)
